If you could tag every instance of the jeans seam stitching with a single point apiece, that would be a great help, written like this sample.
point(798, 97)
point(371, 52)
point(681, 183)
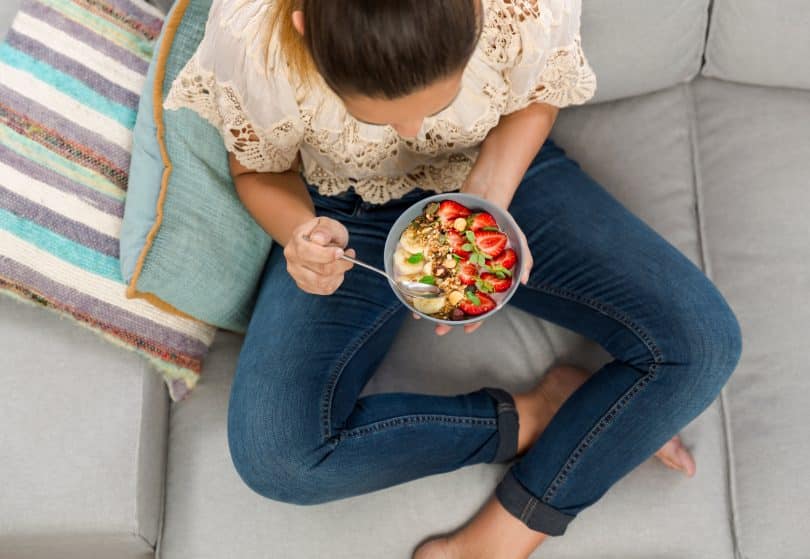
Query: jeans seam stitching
point(610, 312)
point(415, 419)
point(346, 356)
point(562, 474)
point(528, 509)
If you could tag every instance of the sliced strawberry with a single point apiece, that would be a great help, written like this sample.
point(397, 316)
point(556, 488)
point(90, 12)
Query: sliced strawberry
point(507, 259)
point(457, 240)
point(469, 306)
point(480, 220)
point(498, 284)
point(450, 210)
point(467, 272)
point(491, 243)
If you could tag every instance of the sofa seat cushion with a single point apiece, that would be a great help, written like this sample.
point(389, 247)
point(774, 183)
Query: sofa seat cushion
point(755, 190)
point(82, 456)
point(640, 150)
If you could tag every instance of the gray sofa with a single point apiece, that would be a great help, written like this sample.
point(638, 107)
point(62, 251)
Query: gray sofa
point(701, 126)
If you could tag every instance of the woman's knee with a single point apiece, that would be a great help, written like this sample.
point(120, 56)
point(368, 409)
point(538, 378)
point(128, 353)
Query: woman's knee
point(282, 468)
point(277, 476)
point(275, 447)
point(707, 344)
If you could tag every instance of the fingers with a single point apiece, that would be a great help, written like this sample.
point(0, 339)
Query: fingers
point(442, 329)
point(314, 255)
point(469, 328)
point(316, 283)
point(527, 269)
point(329, 231)
point(528, 260)
point(337, 266)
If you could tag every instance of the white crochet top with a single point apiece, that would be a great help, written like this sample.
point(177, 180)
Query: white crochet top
point(529, 50)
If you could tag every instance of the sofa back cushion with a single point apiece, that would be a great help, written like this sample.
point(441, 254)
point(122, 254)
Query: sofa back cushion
point(638, 46)
point(757, 42)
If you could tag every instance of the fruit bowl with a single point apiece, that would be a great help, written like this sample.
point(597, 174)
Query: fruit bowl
point(474, 231)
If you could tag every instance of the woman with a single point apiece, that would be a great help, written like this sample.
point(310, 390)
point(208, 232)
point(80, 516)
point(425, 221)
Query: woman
point(339, 114)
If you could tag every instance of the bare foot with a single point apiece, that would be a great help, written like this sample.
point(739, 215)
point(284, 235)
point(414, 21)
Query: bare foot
point(537, 406)
point(675, 455)
point(493, 534)
point(438, 548)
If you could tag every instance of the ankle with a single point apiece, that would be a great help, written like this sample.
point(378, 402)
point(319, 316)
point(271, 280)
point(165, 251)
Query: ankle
point(534, 413)
point(494, 533)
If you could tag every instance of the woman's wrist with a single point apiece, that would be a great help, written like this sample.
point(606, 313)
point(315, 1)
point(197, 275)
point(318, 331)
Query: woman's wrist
point(487, 185)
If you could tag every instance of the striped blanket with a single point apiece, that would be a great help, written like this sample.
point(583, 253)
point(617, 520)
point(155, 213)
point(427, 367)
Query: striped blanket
point(71, 73)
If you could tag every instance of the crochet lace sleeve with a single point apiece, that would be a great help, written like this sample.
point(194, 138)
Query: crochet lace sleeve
point(253, 110)
point(549, 63)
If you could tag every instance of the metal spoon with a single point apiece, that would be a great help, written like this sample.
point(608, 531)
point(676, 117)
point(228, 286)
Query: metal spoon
point(407, 287)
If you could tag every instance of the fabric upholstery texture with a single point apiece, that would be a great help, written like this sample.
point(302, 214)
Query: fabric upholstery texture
point(70, 74)
point(7, 10)
point(756, 42)
point(755, 181)
point(83, 445)
point(639, 46)
point(186, 237)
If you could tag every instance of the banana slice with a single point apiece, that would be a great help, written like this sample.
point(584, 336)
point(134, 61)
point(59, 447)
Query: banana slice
point(401, 262)
point(428, 306)
point(409, 241)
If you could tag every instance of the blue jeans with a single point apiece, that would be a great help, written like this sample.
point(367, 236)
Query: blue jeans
point(299, 432)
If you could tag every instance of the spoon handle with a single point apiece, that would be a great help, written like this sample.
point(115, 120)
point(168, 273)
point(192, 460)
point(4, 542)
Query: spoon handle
point(350, 259)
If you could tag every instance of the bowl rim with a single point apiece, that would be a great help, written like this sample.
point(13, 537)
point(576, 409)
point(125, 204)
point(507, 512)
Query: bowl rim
point(472, 199)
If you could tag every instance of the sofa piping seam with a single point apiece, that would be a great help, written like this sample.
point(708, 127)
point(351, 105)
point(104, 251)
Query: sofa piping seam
point(697, 184)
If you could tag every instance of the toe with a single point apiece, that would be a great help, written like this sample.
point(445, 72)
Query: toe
point(687, 460)
point(675, 455)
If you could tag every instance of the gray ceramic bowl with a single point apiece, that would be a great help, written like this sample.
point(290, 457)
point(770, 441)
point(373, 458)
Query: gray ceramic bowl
point(475, 203)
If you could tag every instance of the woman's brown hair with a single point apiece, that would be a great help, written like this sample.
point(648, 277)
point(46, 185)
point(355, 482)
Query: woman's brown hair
point(378, 48)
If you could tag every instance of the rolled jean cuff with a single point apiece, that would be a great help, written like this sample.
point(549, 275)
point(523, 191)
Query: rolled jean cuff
point(529, 509)
point(507, 424)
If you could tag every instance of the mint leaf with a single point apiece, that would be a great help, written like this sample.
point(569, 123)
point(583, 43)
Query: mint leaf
point(484, 285)
point(456, 256)
point(415, 258)
point(467, 246)
point(486, 268)
point(473, 297)
point(498, 269)
point(428, 279)
point(490, 228)
point(470, 236)
point(500, 274)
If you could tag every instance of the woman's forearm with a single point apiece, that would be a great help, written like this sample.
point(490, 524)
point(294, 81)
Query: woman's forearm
point(279, 202)
point(508, 150)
